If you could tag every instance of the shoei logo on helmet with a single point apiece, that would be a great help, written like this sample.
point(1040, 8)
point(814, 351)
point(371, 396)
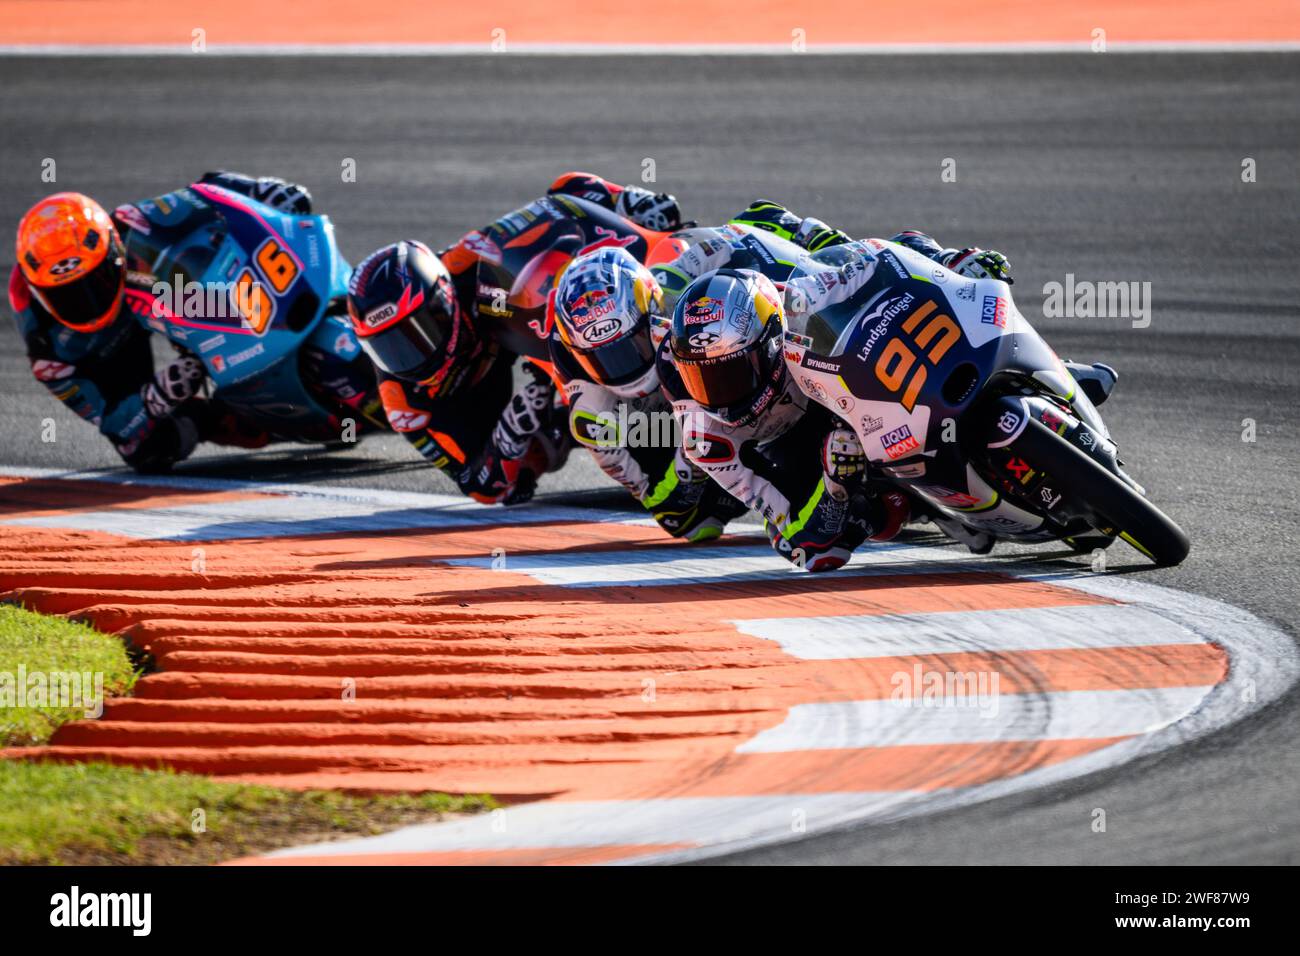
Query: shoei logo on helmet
point(384, 315)
point(379, 315)
point(702, 340)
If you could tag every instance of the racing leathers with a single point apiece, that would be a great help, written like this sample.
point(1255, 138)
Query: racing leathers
point(801, 468)
point(634, 442)
point(492, 437)
point(152, 418)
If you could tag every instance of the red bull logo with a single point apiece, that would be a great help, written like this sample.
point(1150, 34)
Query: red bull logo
point(591, 306)
point(702, 310)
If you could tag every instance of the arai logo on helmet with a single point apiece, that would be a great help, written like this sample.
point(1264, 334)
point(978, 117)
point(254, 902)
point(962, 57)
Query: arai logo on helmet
point(379, 315)
point(601, 331)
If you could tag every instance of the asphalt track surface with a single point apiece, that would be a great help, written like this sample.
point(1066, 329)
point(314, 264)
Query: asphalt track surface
point(1110, 167)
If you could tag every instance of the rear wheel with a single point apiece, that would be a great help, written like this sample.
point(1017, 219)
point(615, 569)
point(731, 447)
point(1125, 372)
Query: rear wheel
point(1081, 479)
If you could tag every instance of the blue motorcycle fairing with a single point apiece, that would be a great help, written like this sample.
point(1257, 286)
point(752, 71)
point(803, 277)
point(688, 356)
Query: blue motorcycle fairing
point(243, 287)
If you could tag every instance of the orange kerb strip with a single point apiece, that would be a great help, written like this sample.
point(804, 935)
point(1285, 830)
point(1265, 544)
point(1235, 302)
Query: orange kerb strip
point(615, 22)
point(21, 498)
point(468, 679)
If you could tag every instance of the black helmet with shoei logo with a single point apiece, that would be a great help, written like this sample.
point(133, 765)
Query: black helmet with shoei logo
point(406, 316)
point(606, 306)
point(726, 343)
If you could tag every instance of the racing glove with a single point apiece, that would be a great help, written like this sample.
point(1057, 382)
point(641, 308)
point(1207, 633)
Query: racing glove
point(694, 507)
point(658, 211)
point(172, 385)
point(976, 263)
point(275, 192)
point(844, 462)
point(810, 233)
point(818, 542)
point(876, 511)
point(169, 441)
point(813, 234)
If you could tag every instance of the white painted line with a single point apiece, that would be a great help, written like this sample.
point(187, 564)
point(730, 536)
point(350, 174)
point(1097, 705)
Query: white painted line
point(643, 49)
point(710, 564)
point(701, 820)
point(976, 718)
point(294, 510)
point(954, 632)
point(269, 518)
point(684, 564)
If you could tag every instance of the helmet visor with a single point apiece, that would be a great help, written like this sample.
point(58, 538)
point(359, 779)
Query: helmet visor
point(413, 346)
point(90, 302)
point(618, 362)
point(726, 382)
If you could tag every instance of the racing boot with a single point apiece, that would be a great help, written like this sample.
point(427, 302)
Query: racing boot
point(978, 542)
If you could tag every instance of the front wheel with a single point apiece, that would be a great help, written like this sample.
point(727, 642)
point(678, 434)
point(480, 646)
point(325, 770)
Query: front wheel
point(1083, 480)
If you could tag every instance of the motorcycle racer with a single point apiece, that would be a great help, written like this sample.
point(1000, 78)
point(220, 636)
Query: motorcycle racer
point(723, 362)
point(445, 331)
point(626, 320)
point(813, 235)
point(609, 320)
point(76, 265)
point(746, 423)
point(723, 367)
point(610, 315)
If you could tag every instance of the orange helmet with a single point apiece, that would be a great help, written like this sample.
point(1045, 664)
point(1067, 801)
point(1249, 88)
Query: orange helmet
point(73, 260)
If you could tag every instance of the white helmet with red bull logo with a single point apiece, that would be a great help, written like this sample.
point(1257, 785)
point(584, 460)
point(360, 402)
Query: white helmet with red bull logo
point(726, 340)
point(608, 309)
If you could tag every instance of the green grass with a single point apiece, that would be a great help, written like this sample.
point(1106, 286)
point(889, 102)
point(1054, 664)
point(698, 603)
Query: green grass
point(99, 813)
point(54, 645)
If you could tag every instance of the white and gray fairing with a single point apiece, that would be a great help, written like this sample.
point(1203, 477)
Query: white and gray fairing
point(873, 329)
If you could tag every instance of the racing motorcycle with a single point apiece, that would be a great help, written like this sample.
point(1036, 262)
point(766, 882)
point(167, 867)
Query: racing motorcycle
point(261, 301)
point(958, 401)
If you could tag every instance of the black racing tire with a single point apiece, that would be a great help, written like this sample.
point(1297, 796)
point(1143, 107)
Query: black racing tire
point(1082, 479)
